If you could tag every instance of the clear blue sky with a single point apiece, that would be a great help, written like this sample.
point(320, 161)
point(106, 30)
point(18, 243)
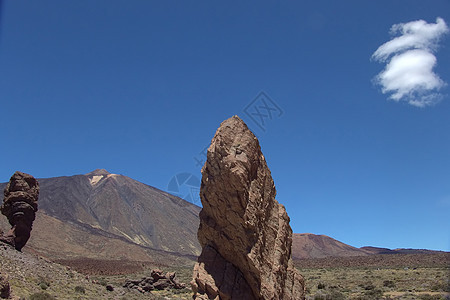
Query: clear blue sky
point(139, 88)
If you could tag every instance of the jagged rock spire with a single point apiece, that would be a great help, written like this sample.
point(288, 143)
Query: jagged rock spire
point(20, 206)
point(244, 231)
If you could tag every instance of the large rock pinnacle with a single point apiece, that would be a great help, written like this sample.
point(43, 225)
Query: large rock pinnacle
point(244, 231)
point(20, 206)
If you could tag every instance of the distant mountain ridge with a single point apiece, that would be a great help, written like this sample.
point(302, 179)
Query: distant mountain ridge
point(377, 250)
point(111, 216)
point(308, 245)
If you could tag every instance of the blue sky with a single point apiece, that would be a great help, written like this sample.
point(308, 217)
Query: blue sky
point(139, 88)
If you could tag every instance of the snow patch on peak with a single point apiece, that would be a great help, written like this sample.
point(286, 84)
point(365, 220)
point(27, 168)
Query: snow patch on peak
point(98, 172)
point(95, 179)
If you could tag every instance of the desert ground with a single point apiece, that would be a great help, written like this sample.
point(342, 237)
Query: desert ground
point(409, 276)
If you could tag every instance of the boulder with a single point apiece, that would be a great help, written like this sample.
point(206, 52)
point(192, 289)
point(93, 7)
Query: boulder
point(157, 274)
point(109, 288)
point(20, 206)
point(244, 232)
point(157, 280)
point(162, 284)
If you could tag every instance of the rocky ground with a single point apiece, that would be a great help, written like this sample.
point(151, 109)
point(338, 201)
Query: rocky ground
point(382, 277)
point(398, 276)
point(377, 283)
point(436, 260)
point(31, 276)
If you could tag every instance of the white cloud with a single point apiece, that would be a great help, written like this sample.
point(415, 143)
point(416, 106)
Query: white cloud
point(408, 75)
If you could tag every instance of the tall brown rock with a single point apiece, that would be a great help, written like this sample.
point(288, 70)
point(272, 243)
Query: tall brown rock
point(20, 206)
point(244, 231)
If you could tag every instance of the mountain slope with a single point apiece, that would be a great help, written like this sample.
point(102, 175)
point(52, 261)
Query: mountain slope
point(376, 251)
point(110, 216)
point(109, 207)
point(307, 245)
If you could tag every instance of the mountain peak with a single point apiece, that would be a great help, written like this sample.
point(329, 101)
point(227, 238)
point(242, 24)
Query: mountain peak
point(98, 172)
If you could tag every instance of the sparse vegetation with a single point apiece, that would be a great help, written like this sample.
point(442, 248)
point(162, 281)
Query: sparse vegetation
point(373, 294)
point(80, 289)
point(43, 282)
point(41, 296)
point(389, 284)
point(28, 274)
point(359, 283)
point(102, 281)
point(321, 286)
point(431, 297)
point(43, 285)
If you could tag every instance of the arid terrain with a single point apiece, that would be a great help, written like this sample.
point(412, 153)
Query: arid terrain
point(34, 277)
point(74, 254)
point(402, 276)
point(383, 276)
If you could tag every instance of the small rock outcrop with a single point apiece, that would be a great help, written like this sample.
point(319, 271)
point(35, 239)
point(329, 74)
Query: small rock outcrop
point(156, 281)
point(20, 206)
point(244, 232)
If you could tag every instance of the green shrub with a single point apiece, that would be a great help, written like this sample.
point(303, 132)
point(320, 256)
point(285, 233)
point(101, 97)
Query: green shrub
point(321, 286)
point(333, 294)
point(42, 296)
point(80, 289)
point(336, 295)
point(374, 294)
point(102, 281)
point(43, 285)
point(367, 286)
point(430, 297)
point(440, 287)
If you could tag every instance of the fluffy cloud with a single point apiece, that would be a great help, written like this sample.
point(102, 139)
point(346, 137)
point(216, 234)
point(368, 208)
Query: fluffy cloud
point(408, 75)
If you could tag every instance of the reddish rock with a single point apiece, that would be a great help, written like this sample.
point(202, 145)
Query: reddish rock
point(244, 231)
point(20, 206)
point(157, 274)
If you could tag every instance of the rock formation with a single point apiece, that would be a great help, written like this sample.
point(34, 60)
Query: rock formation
point(20, 206)
point(244, 231)
point(157, 281)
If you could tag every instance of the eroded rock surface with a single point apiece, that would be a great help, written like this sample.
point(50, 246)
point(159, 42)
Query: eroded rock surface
point(20, 206)
point(244, 231)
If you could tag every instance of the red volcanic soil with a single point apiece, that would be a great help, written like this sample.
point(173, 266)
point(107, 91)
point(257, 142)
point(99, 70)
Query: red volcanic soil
point(307, 245)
